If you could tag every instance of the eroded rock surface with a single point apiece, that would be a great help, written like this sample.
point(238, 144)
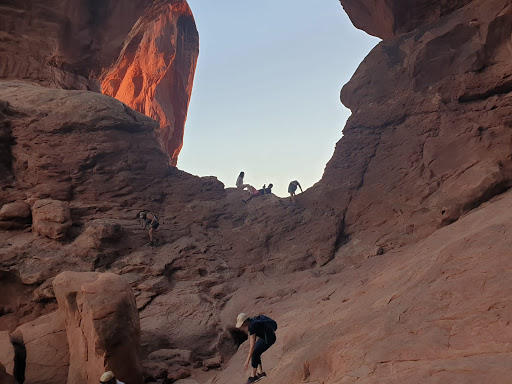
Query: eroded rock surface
point(144, 52)
point(102, 326)
point(393, 267)
point(388, 18)
point(155, 70)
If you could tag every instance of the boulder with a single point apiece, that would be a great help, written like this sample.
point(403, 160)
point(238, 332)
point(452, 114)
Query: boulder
point(15, 215)
point(6, 352)
point(52, 218)
point(46, 346)
point(19, 210)
point(172, 356)
point(214, 362)
point(102, 325)
point(100, 237)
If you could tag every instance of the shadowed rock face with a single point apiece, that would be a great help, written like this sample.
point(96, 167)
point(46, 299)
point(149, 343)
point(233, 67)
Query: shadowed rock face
point(144, 52)
point(383, 271)
point(64, 44)
point(430, 111)
point(388, 18)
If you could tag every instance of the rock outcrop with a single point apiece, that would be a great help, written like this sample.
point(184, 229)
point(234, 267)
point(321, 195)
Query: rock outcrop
point(46, 349)
point(155, 70)
point(102, 326)
point(52, 218)
point(429, 111)
point(393, 267)
point(389, 18)
point(144, 53)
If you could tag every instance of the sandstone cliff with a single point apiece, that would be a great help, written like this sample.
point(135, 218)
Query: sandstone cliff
point(142, 52)
point(392, 268)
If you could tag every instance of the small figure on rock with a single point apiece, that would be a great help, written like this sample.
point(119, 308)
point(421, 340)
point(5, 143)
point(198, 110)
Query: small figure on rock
point(149, 220)
point(109, 378)
point(260, 192)
point(240, 184)
point(292, 187)
point(264, 329)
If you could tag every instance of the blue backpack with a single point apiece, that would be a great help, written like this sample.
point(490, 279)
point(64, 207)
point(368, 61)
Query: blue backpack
point(268, 323)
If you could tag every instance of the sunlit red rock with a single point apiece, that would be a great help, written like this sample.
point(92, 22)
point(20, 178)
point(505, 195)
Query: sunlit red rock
point(154, 73)
point(142, 52)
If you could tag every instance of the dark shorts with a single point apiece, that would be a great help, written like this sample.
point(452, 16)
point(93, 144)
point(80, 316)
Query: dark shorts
point(292, 188)
point(155, 225)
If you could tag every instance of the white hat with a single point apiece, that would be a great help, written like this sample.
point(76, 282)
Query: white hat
point(240, 319)
point(107, 376)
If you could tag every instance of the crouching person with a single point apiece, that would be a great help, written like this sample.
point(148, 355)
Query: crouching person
point(263, 328)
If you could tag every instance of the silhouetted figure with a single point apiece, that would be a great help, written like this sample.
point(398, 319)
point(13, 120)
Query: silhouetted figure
point(292, 187)
point(149, 220)
point(240, 184)
point(260, 192)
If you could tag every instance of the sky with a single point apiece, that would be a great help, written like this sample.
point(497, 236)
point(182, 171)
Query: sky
point(266, 90)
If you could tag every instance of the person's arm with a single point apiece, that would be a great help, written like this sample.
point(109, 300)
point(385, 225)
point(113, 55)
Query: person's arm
point(252, 341)
point(300, 187)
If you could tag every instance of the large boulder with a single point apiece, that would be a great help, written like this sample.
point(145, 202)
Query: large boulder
point(15, 215)
point(102, 325)
point(52, 218)
point(99, 240)
point(45, 343)
point(6, 352)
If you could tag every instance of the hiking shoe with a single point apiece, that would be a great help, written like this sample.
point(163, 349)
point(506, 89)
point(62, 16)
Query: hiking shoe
point(151, 244)
point(261, 375)
point(252, 379)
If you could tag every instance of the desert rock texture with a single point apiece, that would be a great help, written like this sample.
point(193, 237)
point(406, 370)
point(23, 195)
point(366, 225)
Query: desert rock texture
point(141, 52)
point(393, 268)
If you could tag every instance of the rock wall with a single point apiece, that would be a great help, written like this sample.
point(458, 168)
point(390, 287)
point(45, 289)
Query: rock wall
point(144, 53)
point(383, 271)
point(389, 18)
point(429, 111)
point(155, 70)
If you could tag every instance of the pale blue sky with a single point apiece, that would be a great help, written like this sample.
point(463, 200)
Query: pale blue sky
point(266, 91)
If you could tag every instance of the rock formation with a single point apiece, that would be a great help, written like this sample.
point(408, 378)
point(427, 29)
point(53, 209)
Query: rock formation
point(155, 70)
point(144, 53)
point(392, 268)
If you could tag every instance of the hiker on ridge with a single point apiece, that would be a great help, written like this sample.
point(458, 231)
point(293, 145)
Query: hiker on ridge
point(292, 187)
point(240, 184)
point(149, 220)
point(109, 378)
point(260, 192)
point(263, 328)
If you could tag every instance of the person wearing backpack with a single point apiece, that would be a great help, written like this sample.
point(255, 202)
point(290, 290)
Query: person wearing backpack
point(263, 328)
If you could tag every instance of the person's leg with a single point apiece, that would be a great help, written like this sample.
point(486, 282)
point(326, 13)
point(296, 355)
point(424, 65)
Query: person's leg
point(151, 234)
point(259, 348)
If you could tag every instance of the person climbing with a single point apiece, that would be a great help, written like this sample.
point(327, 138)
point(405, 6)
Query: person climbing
point(292, 187)
point(264, 328)
point(109, 378)
point(260, 192)
point(149, 219)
